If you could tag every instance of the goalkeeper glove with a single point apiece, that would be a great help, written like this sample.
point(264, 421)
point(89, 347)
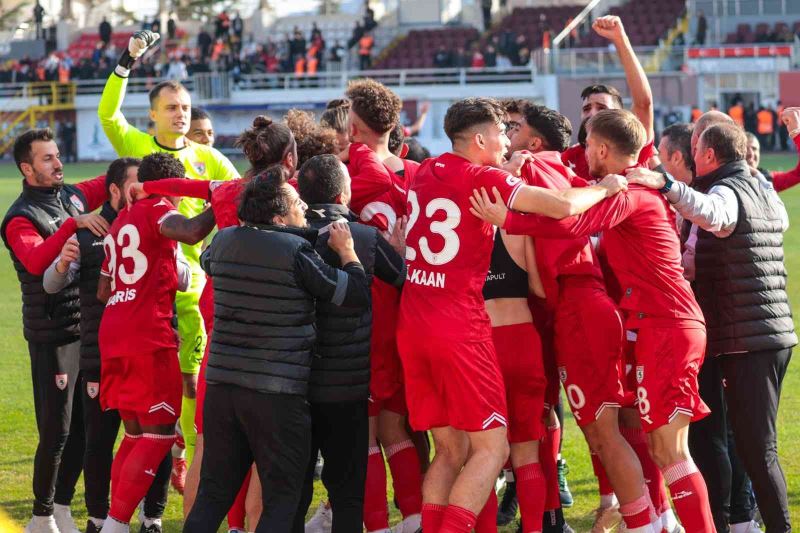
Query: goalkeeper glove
point(137, 46)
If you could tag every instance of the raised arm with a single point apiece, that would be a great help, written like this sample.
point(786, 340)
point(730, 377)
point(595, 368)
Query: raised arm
point(170, 187)
point(561, 204)
point(188, 230)
point(612, 29)
point(784, 180)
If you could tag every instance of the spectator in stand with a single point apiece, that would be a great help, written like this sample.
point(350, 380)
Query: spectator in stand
point(204, 41)
point(171, 27)
point(461, 59)
point(222, 25)
point(486, 9)
point(297, 46)
point(782, 133)
point(67, 134)
point(38, 18)
point(490, 56)
point(503, 62)
point(336, 55)
point(177, 69)
point(365, 45)
point(477, 59)
point(369, 18)
point(315, 31)
point(358, 33)
point(237, 25)
point(155, 27)
point(442, 58)
point(702, 28)
point(105, 31)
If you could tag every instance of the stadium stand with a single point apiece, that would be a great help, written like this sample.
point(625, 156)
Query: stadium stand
point(646, 22)
point(533, 22)
point(417, 48)
point(781, 32)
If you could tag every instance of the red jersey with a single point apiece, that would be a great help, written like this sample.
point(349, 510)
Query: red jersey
point(575, 158)
point(449, 249)
point(144, 278)
point(643, 251)
point(559, 257)
point(378, 194)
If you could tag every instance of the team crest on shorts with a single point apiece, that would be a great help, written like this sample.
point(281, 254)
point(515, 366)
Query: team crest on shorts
point(74, 200)
point(562, 374)
point(92, 388)
point(199, 167)
point(639, 374)
point(61, 381)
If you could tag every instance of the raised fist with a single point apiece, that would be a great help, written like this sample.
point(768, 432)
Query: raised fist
point(609, 27)
point(141, 41)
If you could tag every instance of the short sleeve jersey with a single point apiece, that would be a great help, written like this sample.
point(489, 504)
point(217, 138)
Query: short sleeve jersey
point(378, 194)
point(559, 257)
point(144, 278)
point(448, 249)
point(575, 158)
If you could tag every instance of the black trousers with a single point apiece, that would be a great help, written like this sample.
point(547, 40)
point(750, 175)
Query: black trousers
point(341, 432)
point(752, 384)
point(101, 429)
point(714, 453)
point(241, 426)
point(58, 461)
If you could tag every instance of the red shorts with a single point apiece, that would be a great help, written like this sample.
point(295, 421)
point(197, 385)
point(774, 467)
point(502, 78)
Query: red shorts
point(543, 322)
point(146, 388)
point(395, 404)
point(519, 352)
point(588, 341)
point(451, 383)
point(668, 360)
point(386, 372)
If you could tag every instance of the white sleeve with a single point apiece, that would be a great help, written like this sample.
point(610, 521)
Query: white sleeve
point(184, 271)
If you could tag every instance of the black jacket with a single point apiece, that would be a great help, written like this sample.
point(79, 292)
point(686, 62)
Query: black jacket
point(740, 280)
point(46, 318)
point(340, 367)
point(266, 280)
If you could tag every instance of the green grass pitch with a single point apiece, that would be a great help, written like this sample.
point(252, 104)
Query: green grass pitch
point(18, 429)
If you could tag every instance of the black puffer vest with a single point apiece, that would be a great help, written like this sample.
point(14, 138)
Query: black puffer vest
point(263, 319)
point(46, 318)
point(340, 367)
point(740, 280)
point(92, 256)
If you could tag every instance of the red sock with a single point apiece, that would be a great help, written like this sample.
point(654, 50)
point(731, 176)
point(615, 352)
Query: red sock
point(652, 475)
point(376, 513)
point(531, 489)
point(432, 516)
point(637, 514)
point(603, 483)
point(137, 474)
point(237, 512)
point(125, 447)
point(406, 477)
point(486, 522)
point(548, 457)
point(690, 496)
point(457, 520)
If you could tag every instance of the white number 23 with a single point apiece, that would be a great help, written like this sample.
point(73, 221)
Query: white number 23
point(444, 228)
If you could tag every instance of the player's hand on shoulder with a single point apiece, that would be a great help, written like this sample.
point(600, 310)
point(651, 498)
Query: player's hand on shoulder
point(93, 222)
point(484, 208)
point(614, 183)
point(397, 237)
point(609, 27)
point(340, 239)
point(517, 160)
point(70, 253)
point(141, 41)
point(135, 191)
point(643, 176)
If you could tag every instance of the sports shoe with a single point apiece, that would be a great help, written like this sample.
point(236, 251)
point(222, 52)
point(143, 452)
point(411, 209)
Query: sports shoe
point(178, 475)
point(507, 510)
point(410, 524)
point(606, 519)
point(63, 517)
point(568, 529)
point(155, 527)
point(91, 527)
point(499, 483)
point(42, 524)
point(322, 521)
point(563, 487)
point(679, 529)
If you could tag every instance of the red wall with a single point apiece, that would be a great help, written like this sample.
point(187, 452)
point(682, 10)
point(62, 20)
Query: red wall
point(789, 88)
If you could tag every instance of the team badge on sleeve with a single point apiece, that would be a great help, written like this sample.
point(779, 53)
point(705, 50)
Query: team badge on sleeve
point(61, 381)
point(76, 202)
point(639, 374)
point(199, 167)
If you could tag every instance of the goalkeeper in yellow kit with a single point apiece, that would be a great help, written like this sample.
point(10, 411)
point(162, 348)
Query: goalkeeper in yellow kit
point(170, 110)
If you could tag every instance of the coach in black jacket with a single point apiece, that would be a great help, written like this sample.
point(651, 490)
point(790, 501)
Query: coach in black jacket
point(339, 384)
point(266, 278)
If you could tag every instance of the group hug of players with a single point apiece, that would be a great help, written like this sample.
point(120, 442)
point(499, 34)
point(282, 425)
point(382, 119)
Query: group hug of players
point(529, 266)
